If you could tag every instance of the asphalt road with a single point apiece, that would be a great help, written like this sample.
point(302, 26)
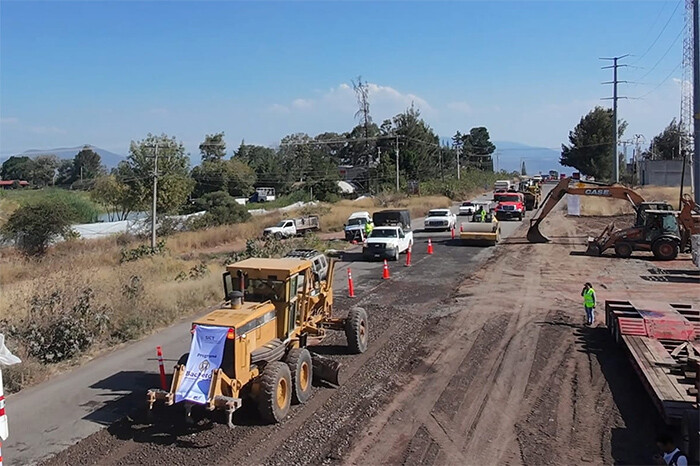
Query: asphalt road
point(62, 411)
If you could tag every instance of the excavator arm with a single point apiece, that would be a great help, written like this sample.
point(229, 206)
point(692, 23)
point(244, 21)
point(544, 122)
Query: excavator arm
point(562, 188)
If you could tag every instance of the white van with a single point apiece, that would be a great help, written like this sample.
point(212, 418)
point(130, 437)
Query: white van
point(502, 184)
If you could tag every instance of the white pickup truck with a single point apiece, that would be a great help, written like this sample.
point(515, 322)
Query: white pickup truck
point(387, 242)
point(439, 219)
point(293, 227)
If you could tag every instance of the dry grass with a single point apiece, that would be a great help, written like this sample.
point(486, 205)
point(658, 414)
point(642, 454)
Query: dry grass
point(596, 206)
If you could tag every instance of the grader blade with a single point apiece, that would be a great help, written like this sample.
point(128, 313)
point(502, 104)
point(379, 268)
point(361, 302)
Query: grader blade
point(326, 369)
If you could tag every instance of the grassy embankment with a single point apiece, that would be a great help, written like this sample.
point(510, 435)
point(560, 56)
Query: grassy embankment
point(81, 292)
point(85, 209)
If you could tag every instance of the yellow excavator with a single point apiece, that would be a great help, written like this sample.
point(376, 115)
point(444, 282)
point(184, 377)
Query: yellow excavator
point(593, 189)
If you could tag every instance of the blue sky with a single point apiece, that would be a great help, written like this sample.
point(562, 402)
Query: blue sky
point(106, 73)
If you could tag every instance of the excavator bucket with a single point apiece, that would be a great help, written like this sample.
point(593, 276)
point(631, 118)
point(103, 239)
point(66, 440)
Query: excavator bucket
point(593, 248)
point(534, 235)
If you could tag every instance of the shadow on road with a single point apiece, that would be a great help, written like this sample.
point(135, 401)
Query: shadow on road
point(130, 388)
point(635, 442)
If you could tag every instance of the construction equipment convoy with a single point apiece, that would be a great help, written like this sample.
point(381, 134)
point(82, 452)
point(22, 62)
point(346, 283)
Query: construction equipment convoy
point(663, 343)
point(273, 309)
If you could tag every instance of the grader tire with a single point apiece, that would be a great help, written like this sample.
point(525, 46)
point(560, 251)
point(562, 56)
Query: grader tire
point(356, 330)
point(275, 392)
point(301, 368)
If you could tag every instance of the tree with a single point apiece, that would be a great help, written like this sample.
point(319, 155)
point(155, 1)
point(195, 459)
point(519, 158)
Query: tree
point(17, 167)
point(221, 209)
point(267, 164)
point(114, 196)
point(591, 144)
point(34, 226)
point(174, 182)
point(666, 144)
point(87, 164)
point(65, 173)
point(232, 176)
point(44, 170)
point(213, 147)
point(523, 170)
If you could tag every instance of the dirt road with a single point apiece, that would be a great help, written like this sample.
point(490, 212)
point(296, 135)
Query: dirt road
point(466, 365)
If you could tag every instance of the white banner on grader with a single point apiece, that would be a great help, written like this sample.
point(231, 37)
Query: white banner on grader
point(206, 353)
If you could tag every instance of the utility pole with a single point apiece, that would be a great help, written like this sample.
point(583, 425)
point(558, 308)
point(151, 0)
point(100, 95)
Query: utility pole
point(696, 103)
point(397, 163)
point(614, 98)
point(459, 169)
point(155, 190)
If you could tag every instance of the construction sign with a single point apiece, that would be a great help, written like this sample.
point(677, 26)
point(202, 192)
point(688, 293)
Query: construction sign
point(206, 353)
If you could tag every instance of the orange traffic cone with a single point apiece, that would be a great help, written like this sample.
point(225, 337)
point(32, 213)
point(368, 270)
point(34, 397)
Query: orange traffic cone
point(385, 273)
point(452, 231)
point(408, 257)
point(430, 246)
point(351, 287)
point(461, 228)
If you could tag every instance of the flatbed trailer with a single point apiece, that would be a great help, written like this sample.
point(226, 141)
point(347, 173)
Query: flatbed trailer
point(663, 343)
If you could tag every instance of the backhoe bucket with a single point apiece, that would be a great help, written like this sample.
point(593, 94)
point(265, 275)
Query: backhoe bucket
point(593, 248)
point(326, 369)
point(534, 235)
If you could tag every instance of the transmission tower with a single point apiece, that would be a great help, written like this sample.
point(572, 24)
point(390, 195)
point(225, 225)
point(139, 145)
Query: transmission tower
point(686, 117)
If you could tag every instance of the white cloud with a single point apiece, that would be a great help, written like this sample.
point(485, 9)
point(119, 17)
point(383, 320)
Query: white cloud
point(9, 120)
point(278, 109)
point(302, 103)
point(461, 107)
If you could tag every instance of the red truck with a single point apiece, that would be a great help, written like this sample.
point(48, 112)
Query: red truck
point(511, 205)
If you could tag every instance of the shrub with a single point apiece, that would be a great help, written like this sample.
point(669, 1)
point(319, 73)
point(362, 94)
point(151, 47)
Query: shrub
point(222, 209)
point(143, 250)
point(34, 226)
point(55, 330)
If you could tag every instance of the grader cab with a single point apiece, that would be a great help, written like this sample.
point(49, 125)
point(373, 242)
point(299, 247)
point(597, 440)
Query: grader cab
point(254, 346)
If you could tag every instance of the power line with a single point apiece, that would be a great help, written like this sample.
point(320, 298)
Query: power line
point(665, 53)
point(662, 29)
point(660, 83)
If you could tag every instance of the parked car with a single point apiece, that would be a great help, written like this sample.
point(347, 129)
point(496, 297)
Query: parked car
point(440, 219)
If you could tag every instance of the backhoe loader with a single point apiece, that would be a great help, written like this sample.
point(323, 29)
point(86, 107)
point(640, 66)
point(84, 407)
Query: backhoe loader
point(593, 189)
point(273, 308)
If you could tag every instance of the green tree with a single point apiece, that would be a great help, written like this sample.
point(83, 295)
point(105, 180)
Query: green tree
point(44, 170)
point(268, 165)
point(34, 226)
point(232, 176)
point(17, 167)
point(591, 144)
point(477, 148)
point(221, 209)
point(114, 196)
point(174, 182)
point(65, 173)
point(87, 164)
point(312, 163)
point(666, 144)
point(213, 147)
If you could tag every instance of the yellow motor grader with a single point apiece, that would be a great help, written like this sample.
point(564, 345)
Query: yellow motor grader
point(273, 308)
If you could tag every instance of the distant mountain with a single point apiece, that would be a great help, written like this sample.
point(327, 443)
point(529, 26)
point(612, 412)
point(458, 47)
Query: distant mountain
point(537, 159)
point(110, 159)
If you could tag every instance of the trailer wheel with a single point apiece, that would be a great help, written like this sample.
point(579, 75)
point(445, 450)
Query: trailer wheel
point(665, 249)
point(623, 250)
point(301, 368)
point(275, 392)
point(356, 330)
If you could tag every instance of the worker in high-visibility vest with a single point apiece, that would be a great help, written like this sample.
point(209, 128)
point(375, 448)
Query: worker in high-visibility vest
point(589, 302)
